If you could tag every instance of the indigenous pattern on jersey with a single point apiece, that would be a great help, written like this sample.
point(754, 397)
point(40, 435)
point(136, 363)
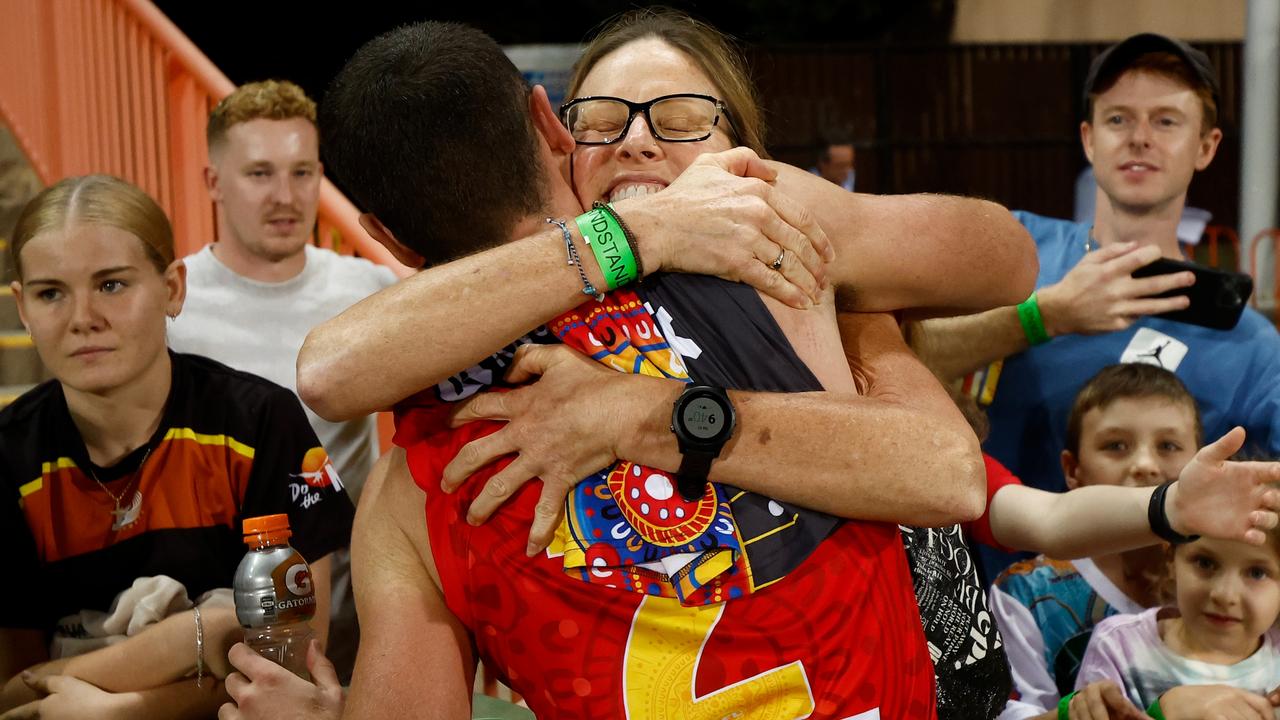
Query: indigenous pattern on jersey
point(838, 637)
point(628, 517)
point(229, 445)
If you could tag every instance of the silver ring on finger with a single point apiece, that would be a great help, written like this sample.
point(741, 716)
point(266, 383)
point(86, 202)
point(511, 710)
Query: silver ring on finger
point(777, 262)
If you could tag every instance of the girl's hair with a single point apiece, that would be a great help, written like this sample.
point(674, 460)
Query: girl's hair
point(95, 200)
point(713, 51)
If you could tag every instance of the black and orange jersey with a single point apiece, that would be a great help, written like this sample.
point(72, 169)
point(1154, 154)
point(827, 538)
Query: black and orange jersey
point(230, 445)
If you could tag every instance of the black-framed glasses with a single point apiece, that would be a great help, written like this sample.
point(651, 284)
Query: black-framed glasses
point(682, 117)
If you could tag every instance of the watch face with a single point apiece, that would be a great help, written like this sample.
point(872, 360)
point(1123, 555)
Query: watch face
point(703, 418)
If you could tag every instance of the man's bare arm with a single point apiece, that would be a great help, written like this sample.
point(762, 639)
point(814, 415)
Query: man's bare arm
point(933, 254)
point(415, 657)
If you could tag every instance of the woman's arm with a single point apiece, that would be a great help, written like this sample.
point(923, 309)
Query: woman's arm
point(933, 254)
point(20, 649)
point(68, 698)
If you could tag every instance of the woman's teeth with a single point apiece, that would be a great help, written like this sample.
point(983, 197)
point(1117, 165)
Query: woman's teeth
point(626, 192)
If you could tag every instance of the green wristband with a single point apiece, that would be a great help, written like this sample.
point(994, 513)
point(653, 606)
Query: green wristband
point(1064, 707)
point(605, 238)
point(1153, 710)
point(1032, 322)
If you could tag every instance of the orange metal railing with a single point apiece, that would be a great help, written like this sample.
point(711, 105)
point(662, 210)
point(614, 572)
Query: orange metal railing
point(113, 86)
point(1215, 236)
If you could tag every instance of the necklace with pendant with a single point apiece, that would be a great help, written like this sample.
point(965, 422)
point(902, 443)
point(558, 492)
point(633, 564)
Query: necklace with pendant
point(120, 514)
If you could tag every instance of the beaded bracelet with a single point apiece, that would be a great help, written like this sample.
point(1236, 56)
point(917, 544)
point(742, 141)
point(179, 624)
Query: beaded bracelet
point(572, 252)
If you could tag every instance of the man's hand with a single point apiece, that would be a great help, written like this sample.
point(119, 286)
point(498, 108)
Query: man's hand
point(1214, 702)
point(1100, 294)
point(63, 696)
point(563, 427)
point(262, 689)
point(722, 217)
point(1222, 499)
point(1103, 700)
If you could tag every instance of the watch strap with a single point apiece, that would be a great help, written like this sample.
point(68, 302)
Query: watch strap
point(691, 479)
point(1158, 518)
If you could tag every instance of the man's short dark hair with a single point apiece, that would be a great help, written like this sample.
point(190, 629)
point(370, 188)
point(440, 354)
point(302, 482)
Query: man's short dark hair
point(428, 128)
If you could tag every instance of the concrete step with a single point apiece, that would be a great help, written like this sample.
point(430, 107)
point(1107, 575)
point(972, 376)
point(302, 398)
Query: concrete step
point(19, 362)
point(9, 393)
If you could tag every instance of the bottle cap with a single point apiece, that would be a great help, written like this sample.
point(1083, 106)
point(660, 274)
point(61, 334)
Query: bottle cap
point(266, 529)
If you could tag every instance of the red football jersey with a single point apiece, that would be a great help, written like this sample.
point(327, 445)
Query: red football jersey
point(838, 637)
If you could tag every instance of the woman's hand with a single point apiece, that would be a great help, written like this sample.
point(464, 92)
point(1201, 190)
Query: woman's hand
point(563, 427)
point(263, 689)
point(65, 697)
point(1222, 499)
point(722, 217)
point(1103, 700)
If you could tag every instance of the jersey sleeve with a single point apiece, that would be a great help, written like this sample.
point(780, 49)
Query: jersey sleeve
point(292, 474)
point(998, 477)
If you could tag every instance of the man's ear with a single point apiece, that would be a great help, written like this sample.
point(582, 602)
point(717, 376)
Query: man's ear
point(399, 250)
point(1070, 466)
point(548, 122)
point(1086, 139)
point(211, 182)
point(1208, 148)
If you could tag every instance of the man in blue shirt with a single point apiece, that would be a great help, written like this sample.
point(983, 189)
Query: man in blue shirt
point(1151, 125)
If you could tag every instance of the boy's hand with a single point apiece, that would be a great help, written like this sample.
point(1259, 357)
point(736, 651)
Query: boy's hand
point(1222, 499)
point(1103, 700)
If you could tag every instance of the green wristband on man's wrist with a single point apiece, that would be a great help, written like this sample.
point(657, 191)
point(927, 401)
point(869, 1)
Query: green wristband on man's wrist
point(603, 234)
point(1032, 322)
point(1153, 710)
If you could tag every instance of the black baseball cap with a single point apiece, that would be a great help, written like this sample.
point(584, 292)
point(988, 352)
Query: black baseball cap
point(1113, 61)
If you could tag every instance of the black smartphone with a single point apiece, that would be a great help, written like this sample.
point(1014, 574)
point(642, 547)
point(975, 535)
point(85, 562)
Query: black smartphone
point(1217, 297)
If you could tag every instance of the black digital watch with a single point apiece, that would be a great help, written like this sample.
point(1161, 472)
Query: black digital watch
point(703, 421)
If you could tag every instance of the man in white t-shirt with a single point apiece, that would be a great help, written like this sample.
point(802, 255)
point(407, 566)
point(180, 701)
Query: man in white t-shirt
point(253, 295)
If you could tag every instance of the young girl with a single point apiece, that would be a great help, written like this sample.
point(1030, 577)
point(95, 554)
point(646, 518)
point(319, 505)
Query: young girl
point(1220, 635)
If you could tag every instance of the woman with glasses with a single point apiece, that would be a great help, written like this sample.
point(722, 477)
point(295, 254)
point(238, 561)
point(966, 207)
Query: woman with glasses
point(125, 478)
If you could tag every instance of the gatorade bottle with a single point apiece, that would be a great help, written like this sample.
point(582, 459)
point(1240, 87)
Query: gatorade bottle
point(275, 600)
